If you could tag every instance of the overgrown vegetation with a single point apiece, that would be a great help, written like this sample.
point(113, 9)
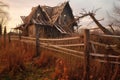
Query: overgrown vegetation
point(17, 62)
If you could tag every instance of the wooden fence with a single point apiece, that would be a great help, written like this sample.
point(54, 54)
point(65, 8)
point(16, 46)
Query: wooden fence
point(61, 45)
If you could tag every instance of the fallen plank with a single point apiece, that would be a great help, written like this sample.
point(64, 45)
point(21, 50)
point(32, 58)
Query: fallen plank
point(64, 49)
point(78, 56)
point(68, 45)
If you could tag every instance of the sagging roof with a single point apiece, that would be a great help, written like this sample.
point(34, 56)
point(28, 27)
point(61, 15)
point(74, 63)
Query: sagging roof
point(48, 16)
point(52, 13)
point(20, 27)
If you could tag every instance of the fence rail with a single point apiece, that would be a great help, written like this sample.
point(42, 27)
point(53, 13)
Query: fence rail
point(59, 39)
point(111, 36)
point(86, 54)
point(102, 45)
point(61, 47)
point(69, 50)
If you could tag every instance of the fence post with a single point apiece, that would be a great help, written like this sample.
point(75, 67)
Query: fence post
point(4, 36)
point(86, 54)
point(19, 35)
point(9, 37)
point(37, 40)
point(107, 64)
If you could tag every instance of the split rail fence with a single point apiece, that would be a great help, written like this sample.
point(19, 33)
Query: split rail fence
point(63, 45)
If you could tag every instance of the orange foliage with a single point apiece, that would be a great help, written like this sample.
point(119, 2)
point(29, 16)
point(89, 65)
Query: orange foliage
point(14, 55)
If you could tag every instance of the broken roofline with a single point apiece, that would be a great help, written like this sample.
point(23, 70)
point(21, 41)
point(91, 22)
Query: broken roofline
point(48, 16)
point(52, 18)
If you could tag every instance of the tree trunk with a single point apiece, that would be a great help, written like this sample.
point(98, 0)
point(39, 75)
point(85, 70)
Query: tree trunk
point(100, 26)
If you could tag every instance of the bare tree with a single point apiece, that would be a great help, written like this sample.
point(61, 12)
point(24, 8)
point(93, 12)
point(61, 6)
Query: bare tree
point(3, 15)
point(114, 16)
point(92, 16)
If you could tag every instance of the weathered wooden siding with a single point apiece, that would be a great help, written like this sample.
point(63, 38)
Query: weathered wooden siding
point(40, 15)
point(42, 31)
point(31, 30)
point(67, 17)
point(51, 32)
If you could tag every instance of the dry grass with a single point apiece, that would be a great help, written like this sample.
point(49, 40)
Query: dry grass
point(16, 56)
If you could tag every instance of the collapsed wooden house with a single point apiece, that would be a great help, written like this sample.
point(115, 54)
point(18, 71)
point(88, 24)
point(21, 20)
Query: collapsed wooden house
point(54, 22)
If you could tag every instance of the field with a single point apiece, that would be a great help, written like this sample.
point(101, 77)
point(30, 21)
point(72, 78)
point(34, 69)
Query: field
point(18, 62)
point(55, 43)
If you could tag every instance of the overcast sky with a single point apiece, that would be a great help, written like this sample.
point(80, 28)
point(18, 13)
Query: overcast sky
point(23, 7)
